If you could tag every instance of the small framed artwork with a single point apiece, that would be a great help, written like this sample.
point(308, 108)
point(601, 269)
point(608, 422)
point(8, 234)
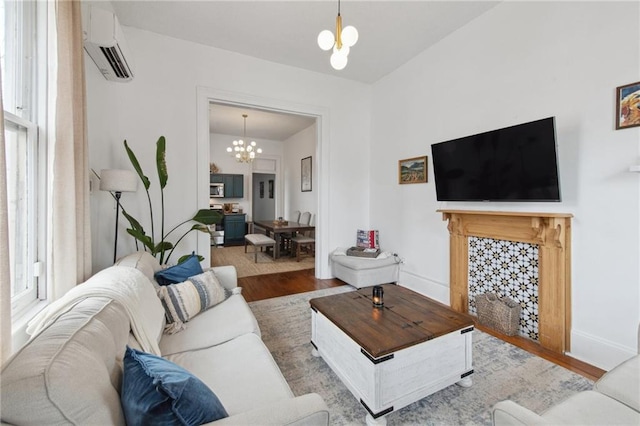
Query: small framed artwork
point(628, 106)
point(261, 189)
point(270, 188)
point(305, 174)
point(412, 170)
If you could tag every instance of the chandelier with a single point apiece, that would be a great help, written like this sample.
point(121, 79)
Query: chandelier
point(244, 153)
point(341, 42)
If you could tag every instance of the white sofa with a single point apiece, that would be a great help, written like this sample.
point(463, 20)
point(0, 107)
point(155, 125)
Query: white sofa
point(71, 372)
point(614, 400)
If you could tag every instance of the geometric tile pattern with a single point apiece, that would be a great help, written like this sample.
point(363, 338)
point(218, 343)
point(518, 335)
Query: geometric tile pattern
point(507, 268)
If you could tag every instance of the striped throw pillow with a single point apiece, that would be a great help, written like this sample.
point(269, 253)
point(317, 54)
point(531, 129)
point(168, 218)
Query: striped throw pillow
point(183, 301)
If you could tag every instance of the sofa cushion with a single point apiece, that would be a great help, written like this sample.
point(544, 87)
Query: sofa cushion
point(143, 261)
point(179, 272)
point(242, 371)
point(185, 300)
point(71, 372)
point(217, 325)
point(623, 383)
point(157, 391)
point(591, 408)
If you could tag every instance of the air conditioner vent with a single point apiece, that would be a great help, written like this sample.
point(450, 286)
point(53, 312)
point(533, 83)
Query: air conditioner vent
point(118, 64)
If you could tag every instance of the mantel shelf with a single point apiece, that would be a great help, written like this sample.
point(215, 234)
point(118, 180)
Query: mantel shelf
point(505, 213)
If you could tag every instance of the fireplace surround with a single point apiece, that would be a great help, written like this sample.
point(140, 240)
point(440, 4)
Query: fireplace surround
point(550, 232)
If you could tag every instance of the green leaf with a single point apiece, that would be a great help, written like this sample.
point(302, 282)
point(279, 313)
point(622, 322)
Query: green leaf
point(186, 256)
point(133, 222)
point(207, 217)
point(161, 161)
point(162, 246)
point(136, 166)
point(140, 236)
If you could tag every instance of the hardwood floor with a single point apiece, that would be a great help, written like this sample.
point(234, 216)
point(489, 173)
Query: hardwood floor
point(282, 284)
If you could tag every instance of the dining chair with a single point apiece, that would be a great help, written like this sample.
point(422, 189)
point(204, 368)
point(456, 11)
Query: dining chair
point(305, 240)
point(305, 218)
point(286, 237)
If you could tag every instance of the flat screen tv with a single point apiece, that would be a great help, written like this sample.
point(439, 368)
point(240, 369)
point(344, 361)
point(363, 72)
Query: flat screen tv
point(516, 163)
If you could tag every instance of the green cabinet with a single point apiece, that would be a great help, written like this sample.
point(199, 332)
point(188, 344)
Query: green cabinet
point(234, 228)
point(233, 184)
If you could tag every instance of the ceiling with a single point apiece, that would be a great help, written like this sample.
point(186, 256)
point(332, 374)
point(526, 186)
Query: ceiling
point(285, 32)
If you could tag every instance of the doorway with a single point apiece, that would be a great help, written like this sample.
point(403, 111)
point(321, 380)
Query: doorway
point(290, 177)
point(263, 196)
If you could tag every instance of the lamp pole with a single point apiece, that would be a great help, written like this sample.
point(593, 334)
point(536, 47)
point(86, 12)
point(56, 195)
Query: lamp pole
point(118, 194)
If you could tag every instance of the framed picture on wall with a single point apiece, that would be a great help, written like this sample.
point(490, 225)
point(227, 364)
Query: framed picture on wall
point(305, 174)
point(628, 105)
point(412, 170)
point(270, 188)
point(261, 189)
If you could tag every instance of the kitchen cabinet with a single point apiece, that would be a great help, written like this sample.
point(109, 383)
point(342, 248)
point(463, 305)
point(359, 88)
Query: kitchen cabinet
point(234, 228)
point(233, 184)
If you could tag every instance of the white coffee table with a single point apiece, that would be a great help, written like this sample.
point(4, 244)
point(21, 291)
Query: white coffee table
point(393, 356)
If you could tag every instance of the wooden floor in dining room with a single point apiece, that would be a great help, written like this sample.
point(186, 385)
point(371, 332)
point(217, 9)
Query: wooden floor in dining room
point(262, 287)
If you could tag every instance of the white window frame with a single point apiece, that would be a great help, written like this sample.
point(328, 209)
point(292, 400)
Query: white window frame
point(31, 114)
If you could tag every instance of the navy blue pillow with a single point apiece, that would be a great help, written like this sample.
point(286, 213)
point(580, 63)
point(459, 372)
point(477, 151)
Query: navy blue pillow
point(180, 272)
point(157, 391)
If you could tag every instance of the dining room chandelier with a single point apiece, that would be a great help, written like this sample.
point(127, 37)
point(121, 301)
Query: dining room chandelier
point(244, 152)
point(341, 43)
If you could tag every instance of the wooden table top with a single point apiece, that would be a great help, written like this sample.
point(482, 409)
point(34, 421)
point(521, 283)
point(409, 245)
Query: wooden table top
point(269, 225)
point(407, 318)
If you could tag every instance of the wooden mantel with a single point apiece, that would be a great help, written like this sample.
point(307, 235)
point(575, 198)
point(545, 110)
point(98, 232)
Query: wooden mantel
point(551, 232)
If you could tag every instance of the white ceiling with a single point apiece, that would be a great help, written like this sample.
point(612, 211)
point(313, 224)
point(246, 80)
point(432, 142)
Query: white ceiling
point(391, 32)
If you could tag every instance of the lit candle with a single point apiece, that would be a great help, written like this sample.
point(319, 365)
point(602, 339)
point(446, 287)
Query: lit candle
point(378, 299)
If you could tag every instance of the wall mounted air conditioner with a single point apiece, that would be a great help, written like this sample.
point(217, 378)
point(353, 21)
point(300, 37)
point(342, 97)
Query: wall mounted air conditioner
point(105, 44)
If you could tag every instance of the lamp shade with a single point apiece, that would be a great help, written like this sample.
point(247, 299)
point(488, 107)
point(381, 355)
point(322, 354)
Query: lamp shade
point(118, 180)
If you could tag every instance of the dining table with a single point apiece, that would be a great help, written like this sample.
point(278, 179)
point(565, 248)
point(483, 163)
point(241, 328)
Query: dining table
point(275, 229)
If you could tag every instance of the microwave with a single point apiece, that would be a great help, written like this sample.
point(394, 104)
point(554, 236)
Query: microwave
point(216, 190)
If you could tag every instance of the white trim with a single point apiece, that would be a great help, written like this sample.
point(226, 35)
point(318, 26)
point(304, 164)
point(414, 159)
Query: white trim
point(602, 353)
point(207, 95)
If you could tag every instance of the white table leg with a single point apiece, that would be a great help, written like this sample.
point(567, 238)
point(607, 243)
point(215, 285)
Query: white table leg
point(466, 382)
point(380, 421)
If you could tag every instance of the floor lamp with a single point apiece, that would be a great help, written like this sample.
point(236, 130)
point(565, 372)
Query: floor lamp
point(117, 182)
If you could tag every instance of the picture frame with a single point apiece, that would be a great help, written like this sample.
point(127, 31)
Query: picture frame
point(261, 189)
point(306, 174)
point(412, 170)
point(270, 188)
point(628, 106)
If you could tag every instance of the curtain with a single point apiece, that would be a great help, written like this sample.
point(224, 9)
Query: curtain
point(5, 268)
point(70, 242)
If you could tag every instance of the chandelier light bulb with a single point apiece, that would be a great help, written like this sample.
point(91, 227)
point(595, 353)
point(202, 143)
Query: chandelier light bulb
point(238, 156)
point(326, 40)
point(344, 51)
point(338, 61)
point(349, 36)
point(229, 149)
point(259, 150)
point(253, 143)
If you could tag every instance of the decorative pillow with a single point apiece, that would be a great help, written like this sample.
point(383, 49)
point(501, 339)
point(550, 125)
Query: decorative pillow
point(179, 272)
point(185, 300)
point(157, 391)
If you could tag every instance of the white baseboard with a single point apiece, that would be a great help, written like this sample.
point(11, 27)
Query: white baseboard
point(597, 351)
point(425, 286)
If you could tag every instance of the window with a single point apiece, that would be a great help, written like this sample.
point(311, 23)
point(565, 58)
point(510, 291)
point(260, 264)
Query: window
point(22, 47)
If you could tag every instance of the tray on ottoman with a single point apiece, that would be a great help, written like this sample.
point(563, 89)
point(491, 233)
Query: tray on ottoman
point(362, 252)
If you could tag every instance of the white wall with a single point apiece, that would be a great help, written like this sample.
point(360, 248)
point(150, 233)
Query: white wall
point(299, 146)
point(518, 62)
point(161, 100)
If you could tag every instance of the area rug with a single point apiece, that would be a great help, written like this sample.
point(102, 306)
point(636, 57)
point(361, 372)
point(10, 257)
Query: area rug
point(246, 267)
point(502, 371)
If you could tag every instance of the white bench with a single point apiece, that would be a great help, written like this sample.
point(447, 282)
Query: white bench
point(259, 240)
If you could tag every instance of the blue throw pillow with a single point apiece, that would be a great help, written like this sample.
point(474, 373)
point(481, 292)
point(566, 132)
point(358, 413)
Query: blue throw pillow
point(157, 391)
point(179, 272)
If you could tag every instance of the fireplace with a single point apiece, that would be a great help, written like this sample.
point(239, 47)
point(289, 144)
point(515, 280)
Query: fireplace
point(548, 235)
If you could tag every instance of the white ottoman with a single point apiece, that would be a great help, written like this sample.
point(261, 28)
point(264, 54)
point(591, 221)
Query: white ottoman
point(364, 272)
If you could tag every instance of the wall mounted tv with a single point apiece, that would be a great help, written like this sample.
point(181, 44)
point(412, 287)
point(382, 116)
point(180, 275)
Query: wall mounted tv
point(517, 163)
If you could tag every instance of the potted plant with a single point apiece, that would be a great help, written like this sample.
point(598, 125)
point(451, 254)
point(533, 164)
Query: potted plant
point(159, 249)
